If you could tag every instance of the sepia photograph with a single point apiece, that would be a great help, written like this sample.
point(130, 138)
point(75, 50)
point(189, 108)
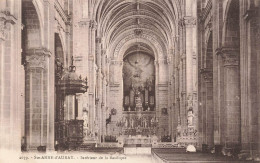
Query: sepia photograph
point(125, 81)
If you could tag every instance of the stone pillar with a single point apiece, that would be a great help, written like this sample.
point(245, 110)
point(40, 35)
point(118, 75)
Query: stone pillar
point(231, 110)
point(249, 66)
point(11, 78)
point(92, 76)
point(156, 65)
point(190, 109)
point(182, 85)
point(104, 94)
point(36, 98)
point(209, 112)
point(190, 24)
point(81, 54)
point(99, 86)
point(170, 93)
point(103, 109)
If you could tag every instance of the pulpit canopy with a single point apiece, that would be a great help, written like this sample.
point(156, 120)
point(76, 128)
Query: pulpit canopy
point(71, 83)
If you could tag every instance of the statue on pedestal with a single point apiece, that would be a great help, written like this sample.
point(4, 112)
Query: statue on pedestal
point(126, 122)
point(145, 123)
point(132, 122)
point(190, 117)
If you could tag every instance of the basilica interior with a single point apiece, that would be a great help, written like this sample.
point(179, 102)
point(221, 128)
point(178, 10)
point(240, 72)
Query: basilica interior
point(157, 74)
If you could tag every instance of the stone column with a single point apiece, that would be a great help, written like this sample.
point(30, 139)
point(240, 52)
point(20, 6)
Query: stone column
point(92, 76)
point(11, 79)
point(249, 76)
point(36, 98)
point(232, 112)
point(182, 86)
point(190, 24)
point(209, 112)
point(81, 52)
point(156, 65)
point(99, 86)
point(104, 94)
point(103, 108)
point(170, 93)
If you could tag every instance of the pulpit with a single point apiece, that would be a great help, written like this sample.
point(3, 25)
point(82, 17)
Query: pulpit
point(68, 129)
point(69, 134)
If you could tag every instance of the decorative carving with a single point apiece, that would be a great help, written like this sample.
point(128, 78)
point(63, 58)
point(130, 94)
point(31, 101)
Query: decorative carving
point(138, 32)
point(3, 29)
point(93, 24)
point(162, 61)
point(189, 21)
point(84, 24)
point(5, 17)
point(115, 62)
point(229, 55)
point(134, 36)
point(37, 58)
point(113, 111)
point(230, 60)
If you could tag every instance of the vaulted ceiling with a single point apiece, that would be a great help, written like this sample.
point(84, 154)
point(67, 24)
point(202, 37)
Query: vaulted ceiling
point(121, 17)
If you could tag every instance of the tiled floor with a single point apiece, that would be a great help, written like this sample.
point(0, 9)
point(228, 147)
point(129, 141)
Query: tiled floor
point(170, 155)
point(158, 155)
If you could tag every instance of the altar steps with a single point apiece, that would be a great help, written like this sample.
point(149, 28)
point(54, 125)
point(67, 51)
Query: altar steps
point(104, 150)
point(87, 146)
point(169, 150)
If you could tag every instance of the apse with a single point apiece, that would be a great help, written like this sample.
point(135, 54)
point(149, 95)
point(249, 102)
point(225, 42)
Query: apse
point(139, 91)
point(138, 78)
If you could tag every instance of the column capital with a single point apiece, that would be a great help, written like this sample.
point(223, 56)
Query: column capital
point(230, 60)
point(91, 58)
point(3, 30)
point(85, 23)
point(161, 61)
point(5, 17)
point(116, 62)
point(188, 21)
point(37, 58)
point(230, 56)
point(93, 24)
